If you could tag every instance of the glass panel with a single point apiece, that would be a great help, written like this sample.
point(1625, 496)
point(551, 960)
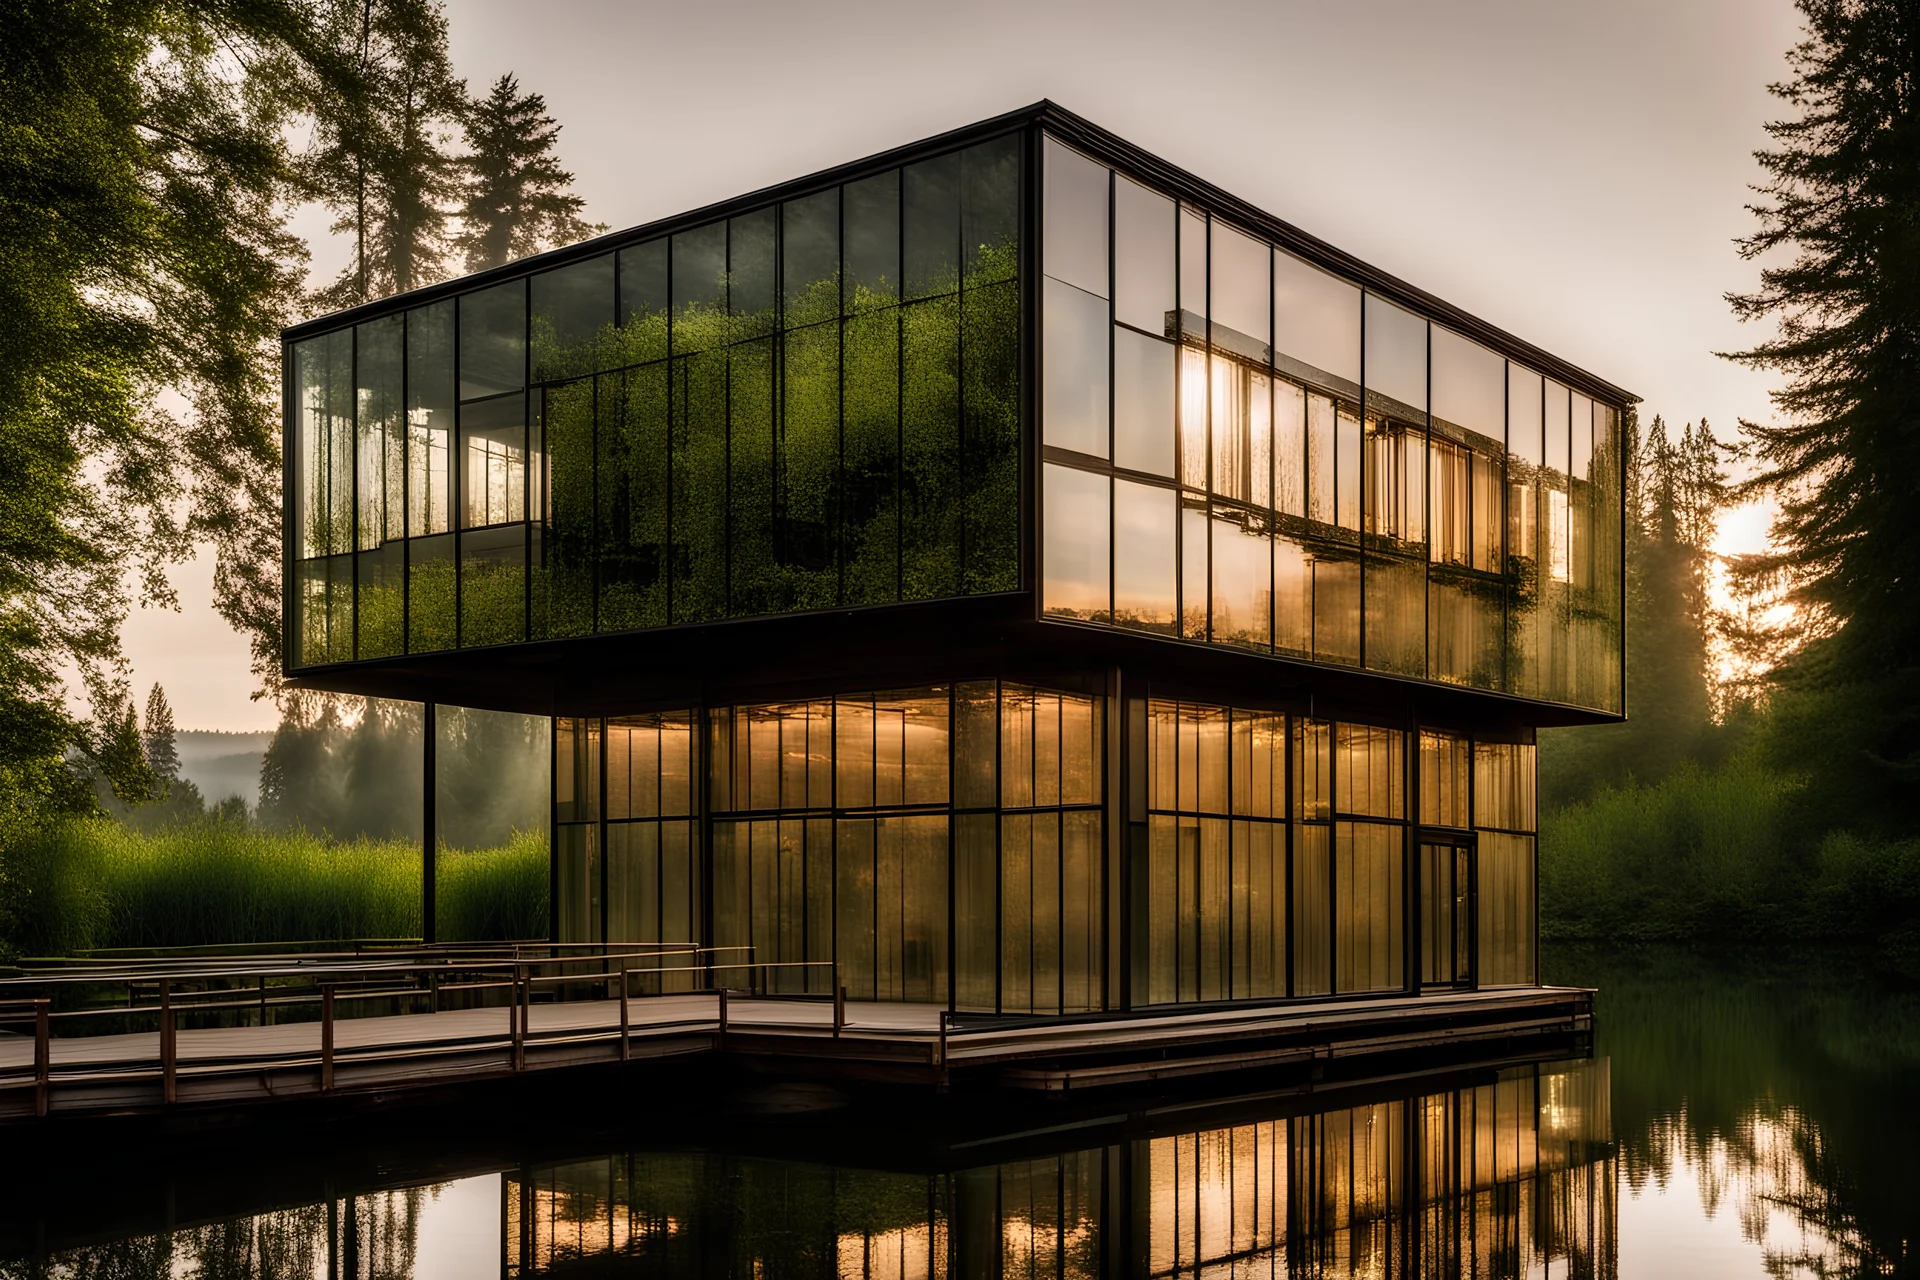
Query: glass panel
point(573, 306)
point(1289, 447)
point(1143, 402)
point(1312, 911)
point(1144, 551)
point(1503, 785)
point(700, 288)
point(1507, 925)
point(493, 604)
point(977, 746)
point(990, 209)
point(1396, 365)
point(991, 431)
point(633, 497)
point(1313, 769)
point(379, 614)
point(1194, 572)
point(1444, 780)
point(1292, 598)
point(871, 443)
point(645, 301)
point(976, 857)
point(1075, 544)
point(1316, 326)
point(1241, 292)
point(751, 284)
point(578, 870)
point(810, 258)
point(1242, 430)
point(563, 581)
point(1143, 256)
point(323, 487)
point(430, 594)
point(754, 578)
point(1369, 933)
point(1369, 770)
point(932, 532)
point(1076, 219)
point(806, 473)
point(1468, 390)
point(1193, 276)
point(930, 199)
point(1396, 614)
point(1242, 583)
point(493, 340)
point(430, 396)
point(1194, 397)
point(871, 210)
point(1336, 607)
point(1075, 363)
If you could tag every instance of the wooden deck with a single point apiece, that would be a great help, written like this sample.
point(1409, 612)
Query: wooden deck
point(905, 1043)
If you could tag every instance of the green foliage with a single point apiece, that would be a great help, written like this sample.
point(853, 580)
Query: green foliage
point(83, 883)
point(156, 738)
point(518, 199)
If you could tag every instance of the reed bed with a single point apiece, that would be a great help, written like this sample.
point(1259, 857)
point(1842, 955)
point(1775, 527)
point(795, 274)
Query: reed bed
point(96, 883)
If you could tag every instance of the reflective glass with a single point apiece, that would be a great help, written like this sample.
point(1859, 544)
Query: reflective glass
point(1241, 413)
point(700, 288)
point(1469, 393)
point(1242, 584)
point(1316, 325)
point(430, 396)
point(1292, 598)
point(1445, 779)
point(564, 576)
point(1075, 370)
point(1194, 572)
point(755, 583)
point(871, 212)
point(1241, 292)
point(632, 488)
point(1143, 402)
point(751, 286)
point(644, 300)
point(1144, 556)
point(1336, 607)
point(1074, 544)
point(1396, 614)
point(1507, 926)
point(1312, 910)
point(1312, 769)
point(1193, 275)
point(493, 460)
point(380, 449)
point(493, 340)
point(871, 514)
point(493, 607)
point(1369, 927)
point(1369, 771)
point(1143, 257)
point(1289, 447)
point(930, 207)
point(810, 258)
point(1076, 219)
point(1503, 785)
point(1558, 428)
point(990, 209)
point(572, 306)
point(323, 492)
point(932, 468)
point(1396, 365)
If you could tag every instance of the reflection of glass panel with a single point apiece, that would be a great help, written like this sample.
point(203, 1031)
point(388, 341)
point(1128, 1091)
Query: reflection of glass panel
point(1194, 573)
point(871, 209)
point(1524, 408)
point(750, 279)
point(930, 203)
point(493, 461)
point(1503, 785)
point(493, 340)
point(1316, 324)
point(1241, 267)
point(1143, 400)
point(1143, 253)
point(934, 484)
point(1289, 447)
point(1557, 428)
point(1242, 417)
point(1194, 395)
point(493, 608)
point(1468, 390)
point(563, 580)
point(1144, 556)
point(870, 436)
point(990, 209)
point(1396, 614)
point(1074, 544)
point(1076, 217)
point(1242, 584)
point(1346, 467)
point(632, 489)
point(1075, 363)
point(430, 594)
point(571, 306)
point(1396, 480)
point(1336, 608)
point(753, 573)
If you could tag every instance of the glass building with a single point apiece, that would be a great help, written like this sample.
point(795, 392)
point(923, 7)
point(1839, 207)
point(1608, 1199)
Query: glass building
point(1008, 571)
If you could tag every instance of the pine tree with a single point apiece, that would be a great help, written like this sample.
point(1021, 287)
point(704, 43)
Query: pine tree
point(381, 160)
point(157, 744)
point(1837, 219)
point(518, 200)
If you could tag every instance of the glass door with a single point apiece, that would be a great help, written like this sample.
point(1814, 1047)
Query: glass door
point(1446, 910)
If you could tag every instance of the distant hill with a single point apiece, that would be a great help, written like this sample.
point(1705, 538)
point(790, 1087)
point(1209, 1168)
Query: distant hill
point(222, 764)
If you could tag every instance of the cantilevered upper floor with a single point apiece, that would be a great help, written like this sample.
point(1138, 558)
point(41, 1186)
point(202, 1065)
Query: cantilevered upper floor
point(1022, 386)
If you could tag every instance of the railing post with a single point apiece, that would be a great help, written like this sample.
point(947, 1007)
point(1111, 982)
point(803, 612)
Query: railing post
point(941, 1062)
point(519, 1017)
point(42, 1057)
point(624, 1051)
point(326, 1037)
point(723, 1019)
point(263, 999)
point(167, 1063)
point(839, 1005)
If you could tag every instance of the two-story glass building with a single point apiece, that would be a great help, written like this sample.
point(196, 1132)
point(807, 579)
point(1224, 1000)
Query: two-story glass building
point(1008, 567)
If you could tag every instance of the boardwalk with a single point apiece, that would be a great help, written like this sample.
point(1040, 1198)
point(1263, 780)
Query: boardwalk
point(905, 1042)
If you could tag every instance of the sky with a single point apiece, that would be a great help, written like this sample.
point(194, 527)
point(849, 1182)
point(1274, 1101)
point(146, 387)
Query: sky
point(1575, 173)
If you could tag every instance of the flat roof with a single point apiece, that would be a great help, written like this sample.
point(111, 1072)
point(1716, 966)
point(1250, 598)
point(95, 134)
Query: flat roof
point(1070, 128)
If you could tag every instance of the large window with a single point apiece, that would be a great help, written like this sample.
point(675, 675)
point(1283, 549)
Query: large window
point(1347, 487)
point(810, 405)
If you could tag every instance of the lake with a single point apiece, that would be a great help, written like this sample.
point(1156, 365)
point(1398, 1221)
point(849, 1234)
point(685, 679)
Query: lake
point(1750, 1116)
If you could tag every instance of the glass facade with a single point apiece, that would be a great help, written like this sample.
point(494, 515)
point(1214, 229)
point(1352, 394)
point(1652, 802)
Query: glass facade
point(936, 845)
point(1514, 1176)
point(1243, 449)
point(804, 406)
point(946, 845)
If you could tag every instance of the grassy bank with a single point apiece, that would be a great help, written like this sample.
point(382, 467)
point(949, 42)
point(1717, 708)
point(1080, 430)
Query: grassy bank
point(1715, 854)
point(96, 883)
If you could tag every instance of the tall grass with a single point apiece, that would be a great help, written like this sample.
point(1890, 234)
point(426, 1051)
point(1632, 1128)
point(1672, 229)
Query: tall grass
point(97, 883)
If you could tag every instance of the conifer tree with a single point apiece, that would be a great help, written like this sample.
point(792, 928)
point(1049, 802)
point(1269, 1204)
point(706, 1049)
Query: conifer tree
point(518, 198)
point(1842, 279)
point(382, 161)
point(157, 742)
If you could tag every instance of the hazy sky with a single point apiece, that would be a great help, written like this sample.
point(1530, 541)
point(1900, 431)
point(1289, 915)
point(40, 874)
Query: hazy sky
point(1572, 172)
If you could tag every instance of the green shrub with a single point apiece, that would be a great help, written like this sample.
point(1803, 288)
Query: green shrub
point(95, 883)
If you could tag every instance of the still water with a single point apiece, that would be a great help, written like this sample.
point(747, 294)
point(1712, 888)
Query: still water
point(1751, 1117)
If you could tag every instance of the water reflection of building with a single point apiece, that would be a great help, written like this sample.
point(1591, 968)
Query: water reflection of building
point(1498, 1179)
